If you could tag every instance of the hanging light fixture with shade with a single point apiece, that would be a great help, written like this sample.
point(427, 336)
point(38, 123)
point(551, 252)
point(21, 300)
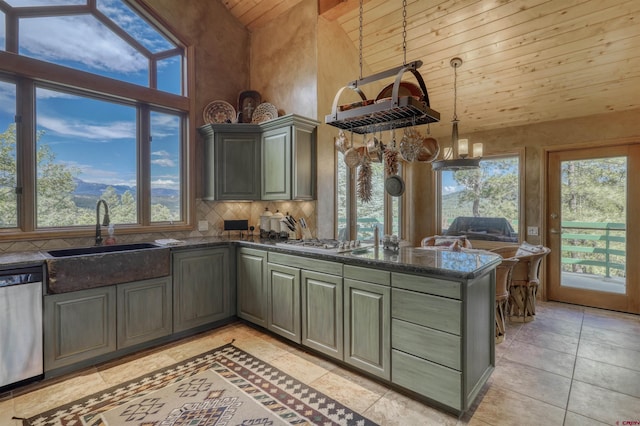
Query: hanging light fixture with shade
point(456, 157)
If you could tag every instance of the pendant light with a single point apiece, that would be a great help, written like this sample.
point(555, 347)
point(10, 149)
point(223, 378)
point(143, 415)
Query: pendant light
point(456, 157)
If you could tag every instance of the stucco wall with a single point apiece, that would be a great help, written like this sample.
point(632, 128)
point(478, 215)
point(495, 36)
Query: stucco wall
point(284, 62)
point(221, 48)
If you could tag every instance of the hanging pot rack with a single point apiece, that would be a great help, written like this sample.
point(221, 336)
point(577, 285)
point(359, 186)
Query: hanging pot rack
point(387, 114)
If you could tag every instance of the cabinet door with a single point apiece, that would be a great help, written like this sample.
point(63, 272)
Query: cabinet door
point(304, 163)
point(252, 285)
point(283, 315)
point(276, 164)
point(200, 287)
point(78, 326)
point(236, 167)
point(144, 311)
point(367, 327)
point(322, 313)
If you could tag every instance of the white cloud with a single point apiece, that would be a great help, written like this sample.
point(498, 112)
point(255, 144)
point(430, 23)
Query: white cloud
point(7, 99)
point(102, 131)
point(164, 183)
point(81, 39)
point(165, 159)
point(449, 189)
point(164, 162)
point(44, 2)
point(89, 173)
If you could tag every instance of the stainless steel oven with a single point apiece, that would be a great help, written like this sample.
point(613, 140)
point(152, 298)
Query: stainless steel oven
point(20, 326)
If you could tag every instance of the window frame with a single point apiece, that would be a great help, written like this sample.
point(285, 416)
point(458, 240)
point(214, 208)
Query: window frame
point(520, 154)
point(351, 207)
point(28, 72)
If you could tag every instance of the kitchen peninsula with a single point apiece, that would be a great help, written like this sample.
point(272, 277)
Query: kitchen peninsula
point(417, 319)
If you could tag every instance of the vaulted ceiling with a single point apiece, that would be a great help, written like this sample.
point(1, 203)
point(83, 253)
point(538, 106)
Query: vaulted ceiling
point(525, 61)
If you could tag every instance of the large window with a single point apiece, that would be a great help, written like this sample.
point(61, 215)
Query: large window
point(381, 211)
point(8, 163)
point(484, 203)
point(92, 95)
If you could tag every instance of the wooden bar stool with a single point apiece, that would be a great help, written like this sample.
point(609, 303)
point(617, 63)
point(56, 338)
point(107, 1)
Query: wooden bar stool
point(524, 279)
point(503, 283)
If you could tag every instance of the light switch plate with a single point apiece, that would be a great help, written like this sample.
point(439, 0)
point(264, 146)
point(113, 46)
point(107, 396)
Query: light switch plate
point(532, 230)
point(203, 225)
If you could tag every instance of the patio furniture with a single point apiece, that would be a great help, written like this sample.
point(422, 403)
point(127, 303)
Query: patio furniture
point(445, 242)
point(524, 279)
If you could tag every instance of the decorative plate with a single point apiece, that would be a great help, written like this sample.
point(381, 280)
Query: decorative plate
point(219, 112)
point(394, 185)
point(265, 111)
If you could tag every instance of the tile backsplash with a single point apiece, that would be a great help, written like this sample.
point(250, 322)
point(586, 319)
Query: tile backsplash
point(214, 212)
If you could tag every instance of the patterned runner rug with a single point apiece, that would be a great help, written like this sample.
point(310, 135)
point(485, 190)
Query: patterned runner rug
point(225, 386)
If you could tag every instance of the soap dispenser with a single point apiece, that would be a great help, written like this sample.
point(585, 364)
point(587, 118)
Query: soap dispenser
point(111, 239)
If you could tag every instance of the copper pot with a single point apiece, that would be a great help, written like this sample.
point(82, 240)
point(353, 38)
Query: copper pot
point(429, 150)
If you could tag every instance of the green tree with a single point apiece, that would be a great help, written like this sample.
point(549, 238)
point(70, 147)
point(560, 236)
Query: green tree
point(8, 197)
point(55, 184)
point(491, 190)
point(591, 190)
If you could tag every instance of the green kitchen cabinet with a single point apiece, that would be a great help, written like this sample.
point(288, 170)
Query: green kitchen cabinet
point(231, 162)
point(201, 287)
point(443, 336)
point(252, 285)
point(322, 319)
point(144, 311)
point(367, 312)
point(273, 160)
point(283, 308)
point(78, 326)
point(289, 158)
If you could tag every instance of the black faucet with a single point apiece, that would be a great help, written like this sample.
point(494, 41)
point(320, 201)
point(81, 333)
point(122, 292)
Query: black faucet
point(105, 221)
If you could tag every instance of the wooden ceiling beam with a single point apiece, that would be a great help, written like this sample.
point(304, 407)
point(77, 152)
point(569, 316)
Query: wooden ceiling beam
point(334, 9)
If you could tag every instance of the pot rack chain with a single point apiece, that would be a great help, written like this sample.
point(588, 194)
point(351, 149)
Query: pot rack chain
point(360, 46)
point(404, 32)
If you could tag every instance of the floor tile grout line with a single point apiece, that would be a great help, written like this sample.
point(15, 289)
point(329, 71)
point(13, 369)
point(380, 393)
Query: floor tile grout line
point(573, 371)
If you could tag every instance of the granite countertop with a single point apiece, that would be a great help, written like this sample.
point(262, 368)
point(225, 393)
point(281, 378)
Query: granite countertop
point(466, 264)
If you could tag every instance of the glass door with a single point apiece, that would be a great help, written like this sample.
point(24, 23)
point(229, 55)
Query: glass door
point(593, 211)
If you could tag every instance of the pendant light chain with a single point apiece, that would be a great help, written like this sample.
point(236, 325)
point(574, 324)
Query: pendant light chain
point(404, 32)
point(361, 12)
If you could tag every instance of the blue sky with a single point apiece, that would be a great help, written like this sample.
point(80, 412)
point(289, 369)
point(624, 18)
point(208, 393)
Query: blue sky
point(97, 138)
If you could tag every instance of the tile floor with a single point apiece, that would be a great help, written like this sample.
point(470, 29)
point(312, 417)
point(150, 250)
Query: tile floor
point(571, 366)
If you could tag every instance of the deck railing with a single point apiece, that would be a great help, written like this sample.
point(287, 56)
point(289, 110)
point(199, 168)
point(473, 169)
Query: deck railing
point(594, 247)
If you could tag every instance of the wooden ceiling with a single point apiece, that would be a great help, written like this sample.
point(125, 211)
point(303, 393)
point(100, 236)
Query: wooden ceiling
point(525, 61)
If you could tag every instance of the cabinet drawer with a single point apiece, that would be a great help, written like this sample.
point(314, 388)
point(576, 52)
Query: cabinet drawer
point(423, 309)
point(369, 275)
point(433, 345)
point(438, 287)
point(434, 381)
point(309, 264)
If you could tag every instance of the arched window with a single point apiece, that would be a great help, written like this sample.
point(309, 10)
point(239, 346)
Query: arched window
point(95, 106)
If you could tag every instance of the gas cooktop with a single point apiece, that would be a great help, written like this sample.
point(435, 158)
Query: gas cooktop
point(324, 245)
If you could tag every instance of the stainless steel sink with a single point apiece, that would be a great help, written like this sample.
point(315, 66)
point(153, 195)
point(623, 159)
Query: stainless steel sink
point(100, 249)
point(89, 267)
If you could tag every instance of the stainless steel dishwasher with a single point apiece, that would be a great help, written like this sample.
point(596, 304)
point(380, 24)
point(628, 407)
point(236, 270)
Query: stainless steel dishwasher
point(20, 326)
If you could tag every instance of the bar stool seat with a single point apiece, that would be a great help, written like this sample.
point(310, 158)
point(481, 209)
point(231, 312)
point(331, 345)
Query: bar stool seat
point(504, 273)
point(524, 279)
